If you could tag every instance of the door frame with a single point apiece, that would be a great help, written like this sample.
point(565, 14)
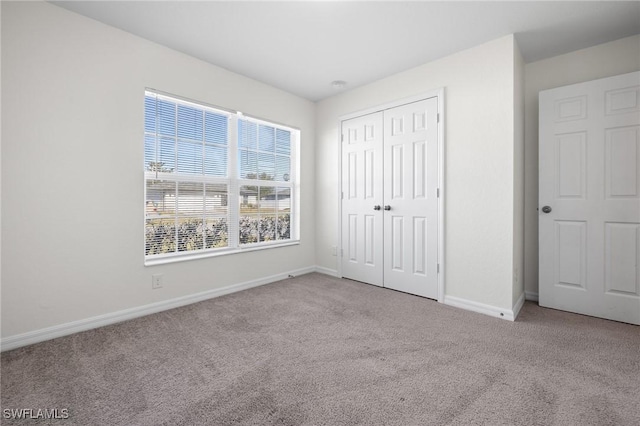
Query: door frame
point(436, 93)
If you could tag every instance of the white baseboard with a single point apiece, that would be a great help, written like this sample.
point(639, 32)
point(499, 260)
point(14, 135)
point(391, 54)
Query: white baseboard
point(480, 307)
point(519, 304)
point(31, 337)
point(326, 271)
point(36, 336)
point(531, 295)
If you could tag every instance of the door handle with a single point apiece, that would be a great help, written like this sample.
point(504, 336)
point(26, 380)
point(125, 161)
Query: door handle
point(376, 207)
point(387, 208)
point(546, 209)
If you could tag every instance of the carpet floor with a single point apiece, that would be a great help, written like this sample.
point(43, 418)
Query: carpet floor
point(317, 350)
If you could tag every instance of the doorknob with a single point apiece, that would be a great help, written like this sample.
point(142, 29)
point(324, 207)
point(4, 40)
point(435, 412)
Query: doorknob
point(546, 209)
point(376, 207)
point(387, 208)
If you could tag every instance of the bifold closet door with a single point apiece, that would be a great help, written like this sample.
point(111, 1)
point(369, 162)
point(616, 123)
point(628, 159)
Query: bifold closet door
point(390, 199)
point(411, 198)
point(362, 239)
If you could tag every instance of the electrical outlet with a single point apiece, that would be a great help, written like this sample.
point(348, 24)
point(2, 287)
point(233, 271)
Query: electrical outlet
point(156, 281)
point(334, 250)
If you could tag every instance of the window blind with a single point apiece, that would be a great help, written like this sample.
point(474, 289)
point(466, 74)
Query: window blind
point(197, 197)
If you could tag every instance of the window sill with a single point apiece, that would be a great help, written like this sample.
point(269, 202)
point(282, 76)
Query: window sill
point(215, 253)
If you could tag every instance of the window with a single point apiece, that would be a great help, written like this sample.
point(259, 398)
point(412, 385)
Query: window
point(215, 181)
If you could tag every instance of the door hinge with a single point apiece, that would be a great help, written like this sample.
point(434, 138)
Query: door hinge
point(438, 117)
point(438, 268)
point(342, 195)
point(437, 192)
point(342, 138)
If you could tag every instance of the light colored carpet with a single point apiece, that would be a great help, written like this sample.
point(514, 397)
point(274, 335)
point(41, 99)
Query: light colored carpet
point(317, 350)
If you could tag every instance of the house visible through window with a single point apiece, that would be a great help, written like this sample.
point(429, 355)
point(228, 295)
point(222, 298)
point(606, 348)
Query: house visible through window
point(215, 181)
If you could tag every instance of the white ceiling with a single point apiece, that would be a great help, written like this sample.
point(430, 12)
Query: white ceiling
point(301, 47)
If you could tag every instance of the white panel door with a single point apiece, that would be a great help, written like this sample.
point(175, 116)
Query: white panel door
point(410, 198)
point(589, 198)
point(362, 256)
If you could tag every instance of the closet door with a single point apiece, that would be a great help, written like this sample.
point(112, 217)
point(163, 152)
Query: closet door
point(410, 198)
point(362, 199)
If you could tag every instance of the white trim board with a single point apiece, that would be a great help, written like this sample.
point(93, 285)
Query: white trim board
point(519, 304)
point(36, 336)
point(460, 303)
point(507, 314)
point(326, 271)
point(395, 103)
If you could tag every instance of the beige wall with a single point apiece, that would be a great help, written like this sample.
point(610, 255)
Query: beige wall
point(605, 60)
point(0, 172)
point(518, 177)
point(72, 182)
point(479, 98)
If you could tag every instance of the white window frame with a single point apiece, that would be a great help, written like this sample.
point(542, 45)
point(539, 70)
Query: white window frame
point(233, 183)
